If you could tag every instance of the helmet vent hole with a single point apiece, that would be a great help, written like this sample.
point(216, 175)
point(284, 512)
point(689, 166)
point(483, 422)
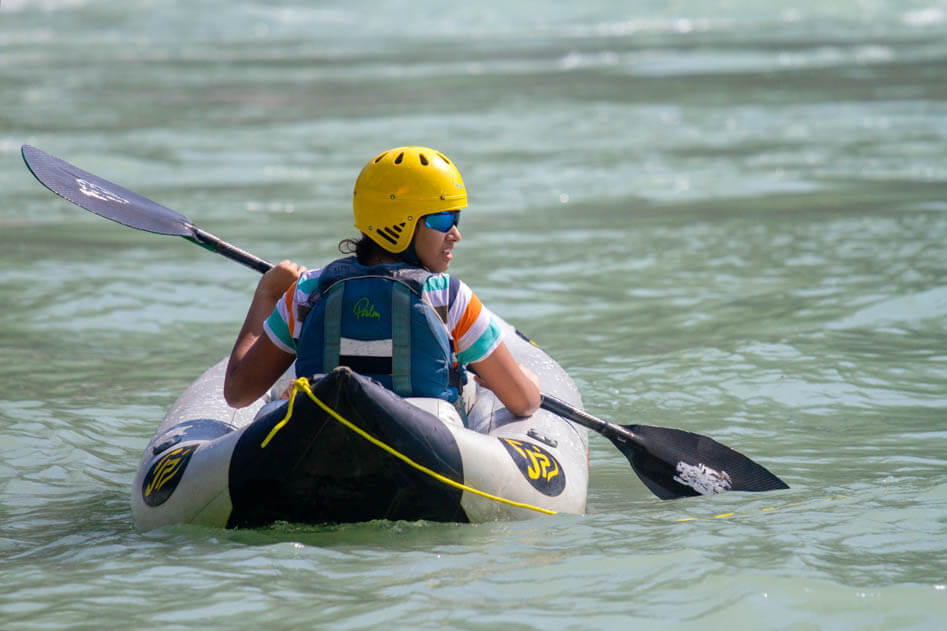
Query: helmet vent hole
point(443, 157)
point(423, 159)
point(378, 159)
point(399, 158)
point(387, 237)
point(392, 233)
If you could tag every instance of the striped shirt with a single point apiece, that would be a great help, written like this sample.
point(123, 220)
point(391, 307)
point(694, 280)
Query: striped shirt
point(472, 328)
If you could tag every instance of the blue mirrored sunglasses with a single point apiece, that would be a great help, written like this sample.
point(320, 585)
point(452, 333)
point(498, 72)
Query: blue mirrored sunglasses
point(443, 221)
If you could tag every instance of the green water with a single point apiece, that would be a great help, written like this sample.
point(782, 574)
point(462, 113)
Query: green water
point(723, 216)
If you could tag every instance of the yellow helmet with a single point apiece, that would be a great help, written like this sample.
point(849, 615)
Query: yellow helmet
point(399, 186)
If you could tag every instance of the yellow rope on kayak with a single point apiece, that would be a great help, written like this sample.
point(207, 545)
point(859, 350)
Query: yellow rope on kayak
point(302, 384)
point(762, 510)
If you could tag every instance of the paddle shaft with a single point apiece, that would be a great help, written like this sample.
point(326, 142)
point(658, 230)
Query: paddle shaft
point(609, 430)
point(232, 252)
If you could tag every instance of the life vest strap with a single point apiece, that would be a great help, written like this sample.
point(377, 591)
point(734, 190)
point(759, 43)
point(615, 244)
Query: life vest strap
point(401, 339)
point(332, 329)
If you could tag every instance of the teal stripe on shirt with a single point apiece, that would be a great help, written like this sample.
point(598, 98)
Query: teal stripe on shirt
point(309, 285)
point(437, 283)
point(479, 349)
point(280, 329)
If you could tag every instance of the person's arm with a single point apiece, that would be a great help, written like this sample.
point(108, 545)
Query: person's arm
point(516, 386)
point(256, 362)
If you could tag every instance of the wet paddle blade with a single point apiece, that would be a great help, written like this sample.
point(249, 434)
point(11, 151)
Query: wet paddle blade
point(674, 463)
point(126, 207)
point(102, 197)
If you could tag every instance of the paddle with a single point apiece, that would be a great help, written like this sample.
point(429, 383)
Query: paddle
point(672, 463)
point(124, 206)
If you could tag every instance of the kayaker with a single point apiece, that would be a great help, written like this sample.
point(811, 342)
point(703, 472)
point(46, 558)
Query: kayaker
point(390, 311)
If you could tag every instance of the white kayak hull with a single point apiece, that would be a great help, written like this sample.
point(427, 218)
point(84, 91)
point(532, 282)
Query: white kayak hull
point(378, 456)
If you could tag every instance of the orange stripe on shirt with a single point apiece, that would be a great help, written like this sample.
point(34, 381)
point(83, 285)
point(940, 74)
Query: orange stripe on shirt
point(467, 320)
point(288, 301)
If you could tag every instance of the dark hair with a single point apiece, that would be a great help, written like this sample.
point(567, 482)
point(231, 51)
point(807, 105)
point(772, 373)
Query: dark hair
point(364, 249)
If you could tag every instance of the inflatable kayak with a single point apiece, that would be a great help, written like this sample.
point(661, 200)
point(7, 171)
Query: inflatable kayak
point(342, 448)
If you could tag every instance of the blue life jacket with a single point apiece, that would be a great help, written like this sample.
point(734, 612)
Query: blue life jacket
point(374, 320)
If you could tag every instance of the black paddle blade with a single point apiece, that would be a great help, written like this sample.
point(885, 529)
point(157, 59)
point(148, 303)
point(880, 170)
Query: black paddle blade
point(674, 463)
point(103, 197)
